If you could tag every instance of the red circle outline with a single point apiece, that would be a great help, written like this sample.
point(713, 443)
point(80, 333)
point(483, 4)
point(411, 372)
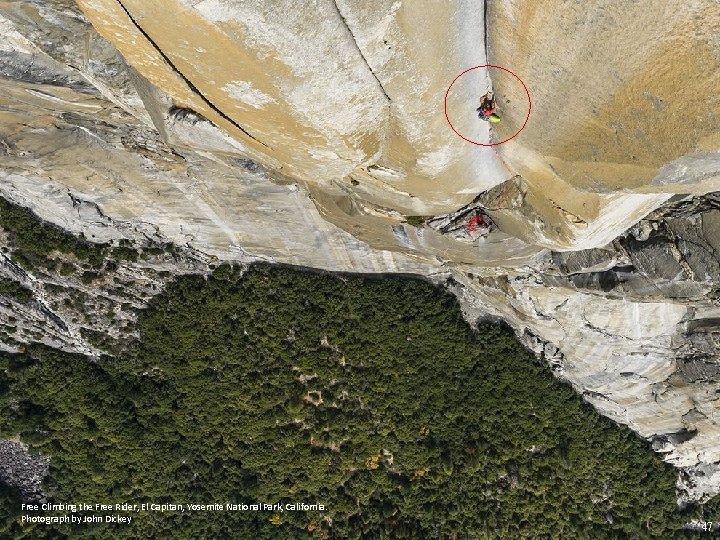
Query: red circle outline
point(497, 143)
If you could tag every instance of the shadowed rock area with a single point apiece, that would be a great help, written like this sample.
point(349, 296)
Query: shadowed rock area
point(22, 470)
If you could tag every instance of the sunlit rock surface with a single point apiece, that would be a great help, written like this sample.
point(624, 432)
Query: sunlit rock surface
point(623, 105)
point(307, 133)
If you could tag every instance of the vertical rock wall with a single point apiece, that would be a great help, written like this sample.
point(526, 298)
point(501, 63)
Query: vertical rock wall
point(323, 91)
point(623, 103)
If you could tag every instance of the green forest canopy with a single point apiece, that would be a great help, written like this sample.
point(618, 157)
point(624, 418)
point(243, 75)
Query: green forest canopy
point(370, 396)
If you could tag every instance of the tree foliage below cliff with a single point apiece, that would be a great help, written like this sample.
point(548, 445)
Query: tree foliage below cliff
point(370, 396)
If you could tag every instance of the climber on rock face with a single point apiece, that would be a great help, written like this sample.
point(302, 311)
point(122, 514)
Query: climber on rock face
point(486, 110)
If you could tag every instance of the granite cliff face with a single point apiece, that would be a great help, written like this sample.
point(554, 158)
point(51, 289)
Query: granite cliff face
point(308, 134)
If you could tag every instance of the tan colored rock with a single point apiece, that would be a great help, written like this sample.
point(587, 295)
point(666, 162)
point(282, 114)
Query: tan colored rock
point(321, 91)
point(622, 104)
